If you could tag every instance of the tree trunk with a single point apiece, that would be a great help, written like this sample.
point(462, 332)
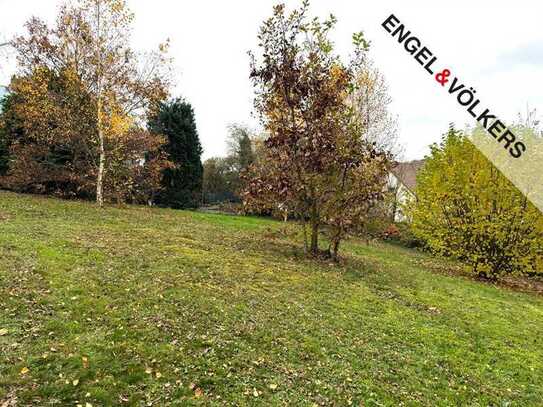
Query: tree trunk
point(314, 237)
point(335, 249)
point(100, 178)
point(302, 217)
point(99, 125)
point(314, 230)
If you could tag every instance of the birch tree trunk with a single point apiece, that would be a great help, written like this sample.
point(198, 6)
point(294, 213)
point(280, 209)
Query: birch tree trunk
point(102, 160)
point(99, 123)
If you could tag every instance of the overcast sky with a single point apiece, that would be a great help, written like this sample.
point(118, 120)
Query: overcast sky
point(496, 47)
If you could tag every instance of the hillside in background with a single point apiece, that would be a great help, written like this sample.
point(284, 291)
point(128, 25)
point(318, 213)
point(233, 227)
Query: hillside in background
point(142, 306)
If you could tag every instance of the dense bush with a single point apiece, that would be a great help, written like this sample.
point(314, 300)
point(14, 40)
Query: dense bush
point(467, 209)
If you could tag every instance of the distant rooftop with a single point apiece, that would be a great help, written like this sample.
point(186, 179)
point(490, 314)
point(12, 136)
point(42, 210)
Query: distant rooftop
point(407, 173)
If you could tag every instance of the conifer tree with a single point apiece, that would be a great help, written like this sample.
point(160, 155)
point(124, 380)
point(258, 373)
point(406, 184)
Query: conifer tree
point(182, 184)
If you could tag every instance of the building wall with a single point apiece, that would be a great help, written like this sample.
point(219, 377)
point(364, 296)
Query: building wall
point(403, 195)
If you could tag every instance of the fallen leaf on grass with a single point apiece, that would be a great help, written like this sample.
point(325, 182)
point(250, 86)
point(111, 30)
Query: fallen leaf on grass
point(273, 386)
point(435, 310)
point(3, 332)
point(25, 370)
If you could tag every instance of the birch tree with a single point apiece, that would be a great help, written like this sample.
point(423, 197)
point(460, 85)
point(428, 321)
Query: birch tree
point(92, 37)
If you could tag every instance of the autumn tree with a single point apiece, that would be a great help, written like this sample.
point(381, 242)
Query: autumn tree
point(317, 162)
point(49, 152)
point(91, 41)
point(136, 166)
point(53, 153)
point(371, 101)
point(467, 209)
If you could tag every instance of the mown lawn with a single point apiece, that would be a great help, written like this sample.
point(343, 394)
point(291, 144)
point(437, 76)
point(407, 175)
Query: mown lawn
point(141, 306)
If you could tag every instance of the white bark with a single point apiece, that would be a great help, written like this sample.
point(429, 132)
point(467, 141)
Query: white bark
point(99, 124)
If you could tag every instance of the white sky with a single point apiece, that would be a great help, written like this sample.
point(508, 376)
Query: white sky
point(494, 46)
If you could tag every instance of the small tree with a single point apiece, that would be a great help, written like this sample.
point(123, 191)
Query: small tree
point(316, 162)
point(467, 209)
point(182, 183)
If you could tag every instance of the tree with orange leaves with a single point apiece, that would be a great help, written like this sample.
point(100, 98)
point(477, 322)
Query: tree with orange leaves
point(316, 161)
point(89, 48)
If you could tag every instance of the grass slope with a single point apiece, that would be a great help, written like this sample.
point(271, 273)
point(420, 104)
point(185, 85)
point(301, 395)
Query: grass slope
point(142, 306)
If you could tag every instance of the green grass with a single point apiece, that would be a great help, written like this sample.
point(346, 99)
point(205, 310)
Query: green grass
point(141, 306)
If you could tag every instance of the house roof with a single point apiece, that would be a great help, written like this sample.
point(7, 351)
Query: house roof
point(407, 173)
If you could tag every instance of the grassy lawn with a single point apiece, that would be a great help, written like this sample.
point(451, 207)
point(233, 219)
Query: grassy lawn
point(141, 306)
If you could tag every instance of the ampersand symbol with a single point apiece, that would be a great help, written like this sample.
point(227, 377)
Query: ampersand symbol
point(442, 77)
